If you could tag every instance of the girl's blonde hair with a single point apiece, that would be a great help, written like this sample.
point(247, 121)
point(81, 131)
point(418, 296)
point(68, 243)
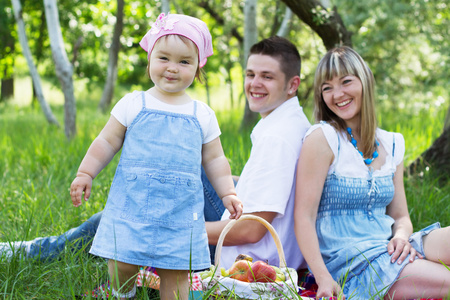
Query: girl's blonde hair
point(340, 62)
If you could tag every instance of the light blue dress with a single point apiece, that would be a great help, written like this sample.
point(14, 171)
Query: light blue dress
point(154, 213)
point(352, 225)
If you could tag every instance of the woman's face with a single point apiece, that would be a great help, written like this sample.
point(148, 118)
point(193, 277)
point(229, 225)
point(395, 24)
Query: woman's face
point(343, 96)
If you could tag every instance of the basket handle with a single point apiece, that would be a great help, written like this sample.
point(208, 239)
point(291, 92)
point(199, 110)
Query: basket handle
point(260, 220)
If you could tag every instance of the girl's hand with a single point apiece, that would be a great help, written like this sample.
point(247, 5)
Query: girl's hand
point(82, 183)
point(234, 206)
point(327, 287)
point(399, 248)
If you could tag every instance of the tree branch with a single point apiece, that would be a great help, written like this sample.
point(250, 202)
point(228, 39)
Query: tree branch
point(220, 20)
point(327, 24)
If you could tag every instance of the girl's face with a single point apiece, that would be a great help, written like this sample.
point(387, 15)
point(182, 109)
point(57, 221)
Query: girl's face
point(343, 96)
point(173, 65)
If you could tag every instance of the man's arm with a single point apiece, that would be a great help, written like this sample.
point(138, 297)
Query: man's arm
point(245, 232)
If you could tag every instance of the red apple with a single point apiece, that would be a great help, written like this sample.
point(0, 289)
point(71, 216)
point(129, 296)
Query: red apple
point(240, 269)
point(262, 272)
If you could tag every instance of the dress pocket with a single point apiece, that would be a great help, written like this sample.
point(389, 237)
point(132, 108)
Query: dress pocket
point(161, 198)
point(136, 204)
point(172, 199)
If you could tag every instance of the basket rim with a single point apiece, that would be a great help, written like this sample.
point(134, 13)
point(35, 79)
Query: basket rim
point(233, 222)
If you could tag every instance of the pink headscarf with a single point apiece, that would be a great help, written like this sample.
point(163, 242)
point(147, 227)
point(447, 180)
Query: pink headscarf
point(189, 27)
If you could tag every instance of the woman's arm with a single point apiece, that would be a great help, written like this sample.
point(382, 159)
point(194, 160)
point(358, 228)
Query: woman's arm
point(218, 171)
point(312, 169)
point(99, 154)
point(399, 246)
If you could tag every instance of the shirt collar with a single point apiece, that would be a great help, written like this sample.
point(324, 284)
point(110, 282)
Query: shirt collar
point(287, 105)
point(278, 112)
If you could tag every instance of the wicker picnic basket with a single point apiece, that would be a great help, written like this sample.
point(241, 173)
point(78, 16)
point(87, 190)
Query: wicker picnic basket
point(253, 290)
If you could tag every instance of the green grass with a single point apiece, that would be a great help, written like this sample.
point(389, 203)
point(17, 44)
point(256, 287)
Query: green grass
point(37, 165)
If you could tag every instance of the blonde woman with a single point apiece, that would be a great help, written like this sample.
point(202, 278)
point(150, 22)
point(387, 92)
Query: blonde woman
point(351, 217)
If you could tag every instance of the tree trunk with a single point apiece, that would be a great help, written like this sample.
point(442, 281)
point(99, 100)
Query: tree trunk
point(220, 20)
point(33, 71)
point(63, 67)
point(250, 38)
point(39, 48)
point(228, 66)
point(327, 24)
point(108, 91)
point(208, 91)
point(447, 119)
point(437, 157)
point(165, 6)
point(284, 28)
point(7, 90)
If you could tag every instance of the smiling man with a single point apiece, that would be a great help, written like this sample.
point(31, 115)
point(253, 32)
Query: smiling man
point(266, 185)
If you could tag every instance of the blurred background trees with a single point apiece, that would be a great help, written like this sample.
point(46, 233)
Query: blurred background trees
point(405, 42)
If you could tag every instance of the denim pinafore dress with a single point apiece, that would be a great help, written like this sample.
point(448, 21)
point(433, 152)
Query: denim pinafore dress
point(154, 213)
point(353, 230)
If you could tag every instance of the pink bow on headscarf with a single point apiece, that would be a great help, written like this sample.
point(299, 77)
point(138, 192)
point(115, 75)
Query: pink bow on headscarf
point(189, 27)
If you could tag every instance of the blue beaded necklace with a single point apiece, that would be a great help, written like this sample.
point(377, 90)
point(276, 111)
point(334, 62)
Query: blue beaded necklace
point(367, 161)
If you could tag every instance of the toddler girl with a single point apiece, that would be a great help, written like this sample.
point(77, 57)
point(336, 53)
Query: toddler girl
point(154, 213)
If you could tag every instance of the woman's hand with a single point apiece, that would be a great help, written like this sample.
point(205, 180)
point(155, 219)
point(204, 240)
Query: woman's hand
point(328, 287)
point(399, 248)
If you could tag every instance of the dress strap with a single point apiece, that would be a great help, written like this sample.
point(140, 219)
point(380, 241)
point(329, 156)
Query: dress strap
point(195, 108)
point(143, 99)
point(393, 149)
point(339, 147)
point(393, 144)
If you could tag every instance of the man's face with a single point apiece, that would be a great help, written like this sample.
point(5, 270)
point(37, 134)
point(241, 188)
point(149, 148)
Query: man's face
point(265, 84)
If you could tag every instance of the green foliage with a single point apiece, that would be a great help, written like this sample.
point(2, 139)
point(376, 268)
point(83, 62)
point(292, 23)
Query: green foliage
point(420, 127)
point(404, 44)
point(7, 42)
point(321, 16)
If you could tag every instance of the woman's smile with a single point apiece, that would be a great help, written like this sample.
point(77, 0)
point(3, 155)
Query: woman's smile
point(344, 103)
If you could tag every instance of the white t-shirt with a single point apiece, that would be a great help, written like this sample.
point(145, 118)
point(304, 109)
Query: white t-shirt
point(267, 183)
point(131, 104)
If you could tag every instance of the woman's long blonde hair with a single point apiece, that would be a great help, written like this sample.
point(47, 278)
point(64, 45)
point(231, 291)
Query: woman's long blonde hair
point(340, 62)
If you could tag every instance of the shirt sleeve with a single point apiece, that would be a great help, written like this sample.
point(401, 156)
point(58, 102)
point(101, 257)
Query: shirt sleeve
point(126, 109)
point(332, 138)
point(209, 123)
point(329, 133)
